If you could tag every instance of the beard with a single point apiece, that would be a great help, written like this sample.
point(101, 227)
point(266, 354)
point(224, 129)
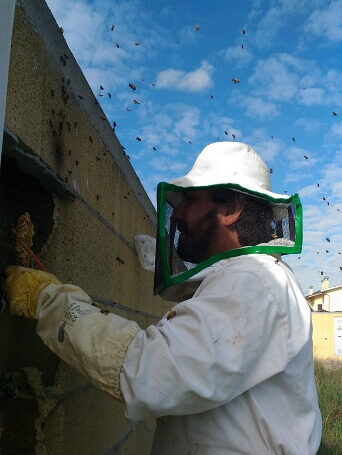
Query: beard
point(194, 245)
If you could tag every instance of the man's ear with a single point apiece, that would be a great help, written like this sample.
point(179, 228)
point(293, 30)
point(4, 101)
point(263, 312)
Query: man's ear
point(227, 219)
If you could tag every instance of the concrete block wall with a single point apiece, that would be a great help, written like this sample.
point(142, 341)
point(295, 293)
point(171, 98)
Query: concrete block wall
point(63, 163)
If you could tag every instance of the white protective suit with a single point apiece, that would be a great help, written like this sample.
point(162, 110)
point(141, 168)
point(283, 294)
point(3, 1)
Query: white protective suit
point(230, 374)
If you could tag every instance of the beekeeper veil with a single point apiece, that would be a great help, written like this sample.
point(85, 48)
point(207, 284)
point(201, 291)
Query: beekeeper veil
point(232, 173)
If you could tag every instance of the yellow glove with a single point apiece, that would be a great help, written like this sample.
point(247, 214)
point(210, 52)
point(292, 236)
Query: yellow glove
point(22, 288)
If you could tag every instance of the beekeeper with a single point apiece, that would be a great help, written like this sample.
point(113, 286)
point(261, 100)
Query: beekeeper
point(229, 370)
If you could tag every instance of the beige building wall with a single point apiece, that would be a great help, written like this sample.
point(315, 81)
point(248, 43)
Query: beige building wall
point(327, 336)
point(90, 205)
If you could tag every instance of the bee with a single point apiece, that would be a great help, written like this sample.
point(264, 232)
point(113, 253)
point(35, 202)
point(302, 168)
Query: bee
point(112, 28)
point(90, 139)
point(271, 170)
point(109, 95)
point(117, 45)
point(235, 80)
point(234, 136)
point(132, 86)
point(154, 148)
point(243, 31)
point(327, 239)
point(197, 28)
point(171, 315)
point(104, 312)
point(334, 113)
point(138, 139)
point(101, 88)
point(137, 44)
point(119, 260)
point(306, 157)
point(81, 97)
point(136, 101)
point(293, 139)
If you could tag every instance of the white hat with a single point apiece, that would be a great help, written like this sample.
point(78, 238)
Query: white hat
point(230, 162)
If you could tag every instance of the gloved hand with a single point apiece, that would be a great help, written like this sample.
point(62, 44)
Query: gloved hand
point(22, 288)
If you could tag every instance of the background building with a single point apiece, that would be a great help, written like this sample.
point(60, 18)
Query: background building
point(327, 299)
point(326, 305)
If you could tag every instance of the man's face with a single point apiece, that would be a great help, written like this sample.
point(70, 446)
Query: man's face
point(196, 218)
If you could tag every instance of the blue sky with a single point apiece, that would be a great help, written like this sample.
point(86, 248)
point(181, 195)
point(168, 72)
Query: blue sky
point(182, 57)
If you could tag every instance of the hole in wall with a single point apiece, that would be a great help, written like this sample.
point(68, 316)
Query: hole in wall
point(20, 193)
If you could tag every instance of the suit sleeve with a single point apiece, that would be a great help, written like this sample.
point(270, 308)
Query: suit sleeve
point(92, 342)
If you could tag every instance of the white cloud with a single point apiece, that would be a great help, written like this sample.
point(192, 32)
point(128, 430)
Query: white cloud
point(87, 29)
point(283, 77)
point(162, 164)
point(215, 125)
point(277, 17)
point(309, 125)
point(256, 107)
point(312, 96)
point(334, 134)
point(273, 79)
point(267, 147)
point(296, 160)
point(168, 129)
point(239, 56)
point(337, 188)
point(308, 191)
point(326, 22)
point(193, 81)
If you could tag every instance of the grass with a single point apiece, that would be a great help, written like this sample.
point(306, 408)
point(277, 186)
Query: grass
point(329, 388)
